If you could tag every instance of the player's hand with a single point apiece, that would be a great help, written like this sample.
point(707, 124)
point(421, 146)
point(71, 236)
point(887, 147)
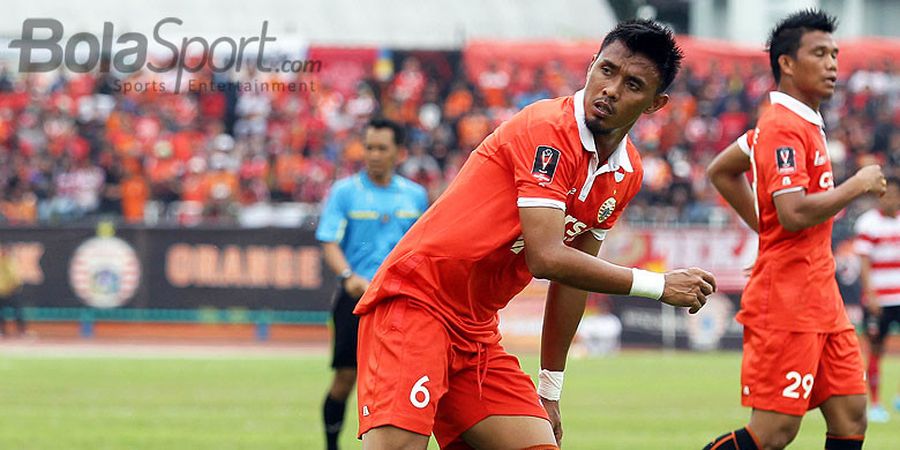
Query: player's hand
point(356, 286)
point(552, 408)
point(688, 288)
point(872, 179)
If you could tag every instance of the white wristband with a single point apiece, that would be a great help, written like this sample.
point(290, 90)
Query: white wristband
point(550, 384)
point(647, 284)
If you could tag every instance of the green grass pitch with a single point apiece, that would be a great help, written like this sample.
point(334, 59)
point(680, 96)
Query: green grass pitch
point(637, 400)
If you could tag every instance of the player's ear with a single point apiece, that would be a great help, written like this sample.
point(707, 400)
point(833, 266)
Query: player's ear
point(659, 100)
point(786, 64)
point(593, 60)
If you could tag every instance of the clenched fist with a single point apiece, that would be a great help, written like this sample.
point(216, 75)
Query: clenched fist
point(688, 288)
point(872, 179)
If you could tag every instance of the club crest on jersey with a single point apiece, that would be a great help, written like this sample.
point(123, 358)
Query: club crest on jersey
point(785, 158)
point(545, 162)
point(606, 209)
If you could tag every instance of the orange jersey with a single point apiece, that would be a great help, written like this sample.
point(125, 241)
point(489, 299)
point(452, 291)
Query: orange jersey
point(464, 259)
point(792, 287)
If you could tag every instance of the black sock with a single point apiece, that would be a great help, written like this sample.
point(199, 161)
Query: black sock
point(736, 440)
point(843, 442)
point(333, 413)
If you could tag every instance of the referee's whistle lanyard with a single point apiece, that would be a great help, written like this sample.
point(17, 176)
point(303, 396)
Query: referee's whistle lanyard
point(481, 367)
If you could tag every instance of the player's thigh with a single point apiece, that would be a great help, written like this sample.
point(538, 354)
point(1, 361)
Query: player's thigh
point(393, 438)
point(403, 364)
point(509, 432)
point(779, 369)
point(486, 385)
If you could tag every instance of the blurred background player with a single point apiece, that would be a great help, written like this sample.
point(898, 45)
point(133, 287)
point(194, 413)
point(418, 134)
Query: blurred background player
point(535, 199)
point(878, 245)
point(800, 349)
point(10, 285)
point(363, 218)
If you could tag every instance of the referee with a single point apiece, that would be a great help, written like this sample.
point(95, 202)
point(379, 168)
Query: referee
point(364, 216)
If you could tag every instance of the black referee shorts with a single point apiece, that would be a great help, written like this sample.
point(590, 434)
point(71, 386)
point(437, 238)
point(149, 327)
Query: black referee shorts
point(878, 327)
point(346, 327)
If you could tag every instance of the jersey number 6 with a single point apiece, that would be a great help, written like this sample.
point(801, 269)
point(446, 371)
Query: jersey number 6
point(418, 388)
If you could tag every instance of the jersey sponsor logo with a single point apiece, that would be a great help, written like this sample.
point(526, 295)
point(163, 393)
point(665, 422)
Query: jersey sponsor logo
point(826, 181)
point(786, 181)
point(606, 209)
point(821, 158)
point(574, 228)
point(545, 161)
point(785, 158)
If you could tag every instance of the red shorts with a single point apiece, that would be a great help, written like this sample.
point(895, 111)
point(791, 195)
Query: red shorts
point(791, 373)
point(413, 376)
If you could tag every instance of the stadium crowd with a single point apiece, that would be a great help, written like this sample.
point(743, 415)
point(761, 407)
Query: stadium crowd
point(78, 146)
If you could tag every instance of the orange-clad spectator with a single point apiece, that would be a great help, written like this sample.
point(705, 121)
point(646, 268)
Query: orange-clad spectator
point(20, 208)
point(472, 129)
point(192, 183)
point(135, 193)
point(458, 102)
point(353, 151)
point(288, 166)
point(184, 143)
point(220, 184)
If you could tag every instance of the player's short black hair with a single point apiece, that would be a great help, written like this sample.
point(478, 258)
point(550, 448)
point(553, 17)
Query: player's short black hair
point(399, 132)
point(785, 37)
point(652, 40)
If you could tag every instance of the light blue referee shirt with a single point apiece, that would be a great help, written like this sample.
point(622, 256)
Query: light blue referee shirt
point(367, 220)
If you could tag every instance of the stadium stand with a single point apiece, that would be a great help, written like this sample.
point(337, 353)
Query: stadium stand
point(74, 147)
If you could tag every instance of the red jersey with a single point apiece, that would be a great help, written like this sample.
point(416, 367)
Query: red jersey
point(792, 287)
point(464, 259)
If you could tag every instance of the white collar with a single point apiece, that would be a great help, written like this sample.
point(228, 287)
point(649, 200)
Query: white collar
point(797, 107)
point(618, 158)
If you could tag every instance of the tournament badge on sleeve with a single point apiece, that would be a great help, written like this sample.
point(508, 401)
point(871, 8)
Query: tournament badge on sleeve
point(786, 162)
point(545, 162)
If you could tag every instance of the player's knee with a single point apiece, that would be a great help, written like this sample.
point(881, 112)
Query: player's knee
point(778, 438)
point(858, 422)
point(852, 421)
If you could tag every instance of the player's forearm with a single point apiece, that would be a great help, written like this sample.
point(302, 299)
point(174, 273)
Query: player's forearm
point(334, 257)
point(735, 189)
point(579, 270)
point(814, 209)
point(562, 314)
